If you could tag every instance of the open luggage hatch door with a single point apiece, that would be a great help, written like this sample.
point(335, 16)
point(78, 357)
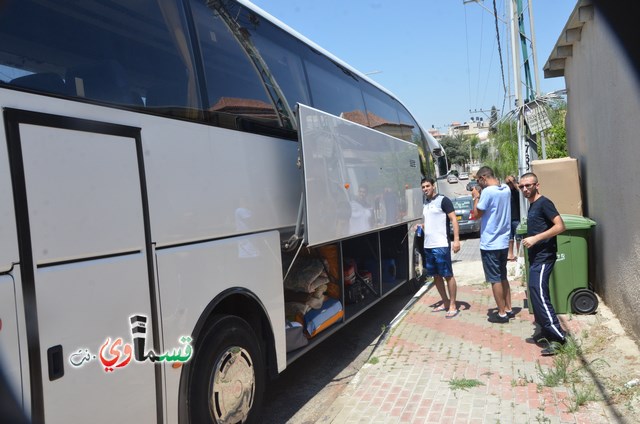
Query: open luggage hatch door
point(356, 179)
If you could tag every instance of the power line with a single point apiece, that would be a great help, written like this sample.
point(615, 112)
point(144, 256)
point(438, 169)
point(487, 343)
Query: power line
point(480, 56)
point(466, 32)
point(495, 14)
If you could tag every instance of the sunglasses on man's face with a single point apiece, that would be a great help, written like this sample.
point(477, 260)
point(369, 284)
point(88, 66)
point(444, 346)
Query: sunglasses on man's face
point(527, 186)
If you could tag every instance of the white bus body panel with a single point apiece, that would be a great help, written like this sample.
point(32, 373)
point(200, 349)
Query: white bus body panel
point(340, 157)
point(105, 293)
point(11, 325)
point(84, 201)
point(10, 361)
point(203, 183)
point(190, 276)
point(8, 235)
point(81, 198)
point(208, 182)
point(198, 176)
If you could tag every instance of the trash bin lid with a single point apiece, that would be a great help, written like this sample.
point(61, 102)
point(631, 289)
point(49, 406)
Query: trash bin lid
point(571, 222)
point(577, 222)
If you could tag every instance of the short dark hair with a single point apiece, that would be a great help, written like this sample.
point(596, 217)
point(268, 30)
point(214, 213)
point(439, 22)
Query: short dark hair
point(485, 171)
point(530, 174)
point(428, 180)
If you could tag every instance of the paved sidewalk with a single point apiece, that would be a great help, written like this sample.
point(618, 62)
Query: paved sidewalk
point(412, 372)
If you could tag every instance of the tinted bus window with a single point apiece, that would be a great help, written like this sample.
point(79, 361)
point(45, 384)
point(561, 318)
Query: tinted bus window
point(236, 75)
point(120, 52)
point(410, 128)
point(334, 89)
point(283, 55)
point(381, 111)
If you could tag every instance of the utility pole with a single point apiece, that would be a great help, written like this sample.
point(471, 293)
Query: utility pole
point(536, 71)
point(526, 151)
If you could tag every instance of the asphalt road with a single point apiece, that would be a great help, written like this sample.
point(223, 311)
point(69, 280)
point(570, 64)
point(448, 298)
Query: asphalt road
point(304, 392)
point(452, 190)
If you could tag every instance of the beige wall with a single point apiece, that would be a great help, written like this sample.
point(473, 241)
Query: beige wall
point(603, 133)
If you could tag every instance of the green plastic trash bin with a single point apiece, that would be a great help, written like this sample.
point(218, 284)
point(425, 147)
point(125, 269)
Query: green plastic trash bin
point(569, 281)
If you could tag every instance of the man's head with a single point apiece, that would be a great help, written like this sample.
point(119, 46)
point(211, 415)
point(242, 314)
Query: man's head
point(428, 187)
point(529, 185)
point(484, 176)
point(363, 190)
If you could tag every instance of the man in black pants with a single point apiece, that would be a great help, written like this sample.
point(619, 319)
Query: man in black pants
point(544, 223)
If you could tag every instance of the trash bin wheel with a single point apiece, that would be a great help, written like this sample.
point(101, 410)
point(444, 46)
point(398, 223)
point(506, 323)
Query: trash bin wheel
point(583, 302)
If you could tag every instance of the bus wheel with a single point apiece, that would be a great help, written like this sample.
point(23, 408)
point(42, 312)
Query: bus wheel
point(228, 374)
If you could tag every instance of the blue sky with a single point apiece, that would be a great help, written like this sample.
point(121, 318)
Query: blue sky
point(439, 57)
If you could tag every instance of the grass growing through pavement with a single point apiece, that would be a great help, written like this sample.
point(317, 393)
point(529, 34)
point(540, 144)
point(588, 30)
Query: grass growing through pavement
point(522, 380)
point(464, 383)
point(580, 396)
point(568, 369)
point(561, 371)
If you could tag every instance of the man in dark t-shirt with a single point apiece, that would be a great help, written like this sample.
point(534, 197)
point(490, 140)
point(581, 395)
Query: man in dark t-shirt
point(544, 223)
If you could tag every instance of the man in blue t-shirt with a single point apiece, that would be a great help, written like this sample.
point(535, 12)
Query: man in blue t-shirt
point(492, 203)
point(438, 212)
point(544, 223)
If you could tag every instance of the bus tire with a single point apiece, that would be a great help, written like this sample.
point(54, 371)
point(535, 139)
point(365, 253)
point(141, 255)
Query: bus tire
point(228, 374)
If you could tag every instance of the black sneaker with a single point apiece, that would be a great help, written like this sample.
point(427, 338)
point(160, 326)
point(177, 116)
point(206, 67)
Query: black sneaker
point(497, 319)
point(511, 314)
point(553, 348)
point(536, 339)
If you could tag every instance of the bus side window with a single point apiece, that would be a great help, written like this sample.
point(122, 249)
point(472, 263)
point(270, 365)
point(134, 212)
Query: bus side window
point(168, 94)
point(234, 86)
point(46, 81)
point(334, 89)
point(383, 115)
point(106, 81)
point(110, 52)
point(283, 54)
point(410, 128)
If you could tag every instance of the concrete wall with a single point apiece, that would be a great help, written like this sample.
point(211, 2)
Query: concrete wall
point(603, 133)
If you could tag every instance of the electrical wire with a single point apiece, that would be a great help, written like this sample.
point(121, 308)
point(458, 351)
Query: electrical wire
point(480, 56)
point(466, 33)
point(495, 16)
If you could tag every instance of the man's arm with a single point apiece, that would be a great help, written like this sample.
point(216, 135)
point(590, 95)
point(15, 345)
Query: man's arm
point(557, 228)
point(456, 231)
point(475, 194)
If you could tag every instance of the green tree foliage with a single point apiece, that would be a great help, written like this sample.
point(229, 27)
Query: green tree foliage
point(483, 152)
point(457, 149)
point(556, 136)
point(504, 159)
point(505, 145)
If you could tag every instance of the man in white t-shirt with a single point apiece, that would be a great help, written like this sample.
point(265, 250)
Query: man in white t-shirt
point(438, 212)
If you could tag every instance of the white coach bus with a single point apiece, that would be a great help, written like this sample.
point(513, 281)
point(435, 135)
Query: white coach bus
point(172, 175)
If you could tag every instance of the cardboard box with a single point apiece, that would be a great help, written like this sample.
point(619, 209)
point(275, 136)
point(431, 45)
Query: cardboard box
point(560, 181)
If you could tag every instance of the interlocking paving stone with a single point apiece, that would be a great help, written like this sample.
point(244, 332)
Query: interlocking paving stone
point(424, 354)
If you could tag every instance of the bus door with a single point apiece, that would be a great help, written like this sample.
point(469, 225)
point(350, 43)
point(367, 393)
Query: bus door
point(84, 267)
point(10, 363)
